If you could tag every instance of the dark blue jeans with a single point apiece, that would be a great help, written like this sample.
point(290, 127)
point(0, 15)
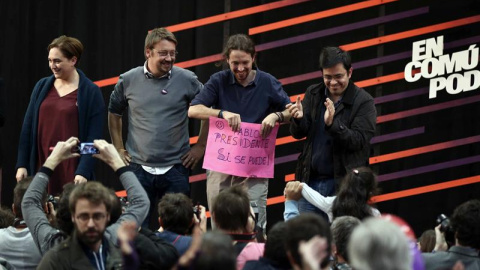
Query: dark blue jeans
point(174, 180)
point(326, 187)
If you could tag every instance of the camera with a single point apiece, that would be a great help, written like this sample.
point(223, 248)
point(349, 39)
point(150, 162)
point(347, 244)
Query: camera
point(444, 223)
point(446, 228)
point(53, 200)
point(123, 203)
point(87, 149)
point(196, 211)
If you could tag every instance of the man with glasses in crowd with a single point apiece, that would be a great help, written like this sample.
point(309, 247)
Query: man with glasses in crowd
point(157, 96)
point(338, 120)
point(90, 204)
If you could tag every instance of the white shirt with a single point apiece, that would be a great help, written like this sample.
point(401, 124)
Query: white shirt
point(325, 203)
point(18, 248)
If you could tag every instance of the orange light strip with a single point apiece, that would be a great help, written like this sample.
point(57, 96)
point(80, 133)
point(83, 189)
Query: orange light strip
point(289, 177)
point(410, 33)
point(347, 47)
point(381, 80)
point(388, 196)
point(412, 152)
point(316, 16)
point(426, 189)
point(199, 61)
point(121, 193)
point(423, 149)
point(366, 83)
point(232, 15)
point(106, 82)
point(287, 139)
point(270, 201)
point(407, 192)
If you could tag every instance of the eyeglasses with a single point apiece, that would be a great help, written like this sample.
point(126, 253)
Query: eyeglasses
point(337, 77)
point(97, 217)
point(166, 53)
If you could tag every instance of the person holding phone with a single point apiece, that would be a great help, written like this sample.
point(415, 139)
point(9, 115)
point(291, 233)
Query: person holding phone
point(87, 149)
point(63, 105)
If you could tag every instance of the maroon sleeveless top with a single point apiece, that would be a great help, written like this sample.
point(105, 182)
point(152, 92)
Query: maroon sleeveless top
point(57, 121)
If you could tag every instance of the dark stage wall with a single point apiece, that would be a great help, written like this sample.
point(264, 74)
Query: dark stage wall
point(433, 143)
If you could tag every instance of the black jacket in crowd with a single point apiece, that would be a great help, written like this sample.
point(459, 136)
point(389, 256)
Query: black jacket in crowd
point(352, 129)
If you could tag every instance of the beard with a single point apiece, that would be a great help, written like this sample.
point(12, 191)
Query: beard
point(165, 66)
point(241, 76)
point(90, 236)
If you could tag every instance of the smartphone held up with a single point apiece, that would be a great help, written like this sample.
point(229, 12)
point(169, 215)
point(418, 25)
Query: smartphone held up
point(87, 149)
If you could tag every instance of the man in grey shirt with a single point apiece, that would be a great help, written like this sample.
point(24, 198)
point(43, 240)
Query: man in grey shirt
point(465, 224)
point(16, 240)
point(157, 96)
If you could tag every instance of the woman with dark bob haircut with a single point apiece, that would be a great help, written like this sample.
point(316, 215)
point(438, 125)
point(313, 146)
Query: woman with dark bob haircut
point(356, 190)
point(63, 105)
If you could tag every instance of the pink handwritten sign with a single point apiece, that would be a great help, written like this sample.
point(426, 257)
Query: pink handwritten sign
point(241, 153)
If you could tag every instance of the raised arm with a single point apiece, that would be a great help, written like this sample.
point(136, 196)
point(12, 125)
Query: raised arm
point(292, 193)
point(45, 235)
point(318, 200)
point(136, 195)
point(302, 114)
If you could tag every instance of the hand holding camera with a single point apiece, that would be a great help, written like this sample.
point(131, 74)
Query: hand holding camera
point(440, 243)
point(52, 204)
point(62, 151)
point(199, 214)
point(108, 154)
point(73, 148)
point(441, 229)
point(87, 149)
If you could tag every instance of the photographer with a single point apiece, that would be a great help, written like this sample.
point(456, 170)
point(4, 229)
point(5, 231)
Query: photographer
point(176, 216)
point(465, 223)
point(47, 236)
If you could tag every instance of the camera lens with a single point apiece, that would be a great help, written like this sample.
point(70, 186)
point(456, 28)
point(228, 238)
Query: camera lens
point(441, 218)
point(444, 222)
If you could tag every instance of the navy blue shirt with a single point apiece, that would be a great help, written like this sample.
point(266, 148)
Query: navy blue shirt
point(180, 242)
point(322, 149)
point(254, 102)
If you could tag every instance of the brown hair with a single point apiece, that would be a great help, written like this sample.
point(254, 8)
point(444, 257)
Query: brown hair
point(156, 35)
point(94, 192)
point(69, 46)
point(239, 42)
point(330, 56)
point(19, 193)
point(427, 241)
point(231, 209)
point(176, 212)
